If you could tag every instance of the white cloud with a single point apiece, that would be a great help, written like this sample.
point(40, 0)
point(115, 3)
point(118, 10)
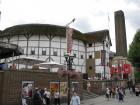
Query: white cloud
point(91, 15)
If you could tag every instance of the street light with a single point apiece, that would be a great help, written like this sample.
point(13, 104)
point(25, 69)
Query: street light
point(69, 60)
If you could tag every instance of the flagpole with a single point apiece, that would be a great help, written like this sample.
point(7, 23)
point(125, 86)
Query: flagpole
point(69, 59)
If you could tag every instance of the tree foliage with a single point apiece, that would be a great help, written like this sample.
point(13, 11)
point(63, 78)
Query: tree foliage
point(134, 50)
point(137, 75)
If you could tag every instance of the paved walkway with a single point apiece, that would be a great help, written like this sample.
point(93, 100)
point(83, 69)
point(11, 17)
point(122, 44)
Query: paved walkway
point(128, 100)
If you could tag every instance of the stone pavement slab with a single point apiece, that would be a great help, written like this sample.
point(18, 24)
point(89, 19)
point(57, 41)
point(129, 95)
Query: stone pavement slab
point(101, 100)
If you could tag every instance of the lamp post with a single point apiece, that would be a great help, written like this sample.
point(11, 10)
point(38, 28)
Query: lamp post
point(69, 60)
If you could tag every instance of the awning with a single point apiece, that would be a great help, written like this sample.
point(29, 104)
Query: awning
point(8, 50)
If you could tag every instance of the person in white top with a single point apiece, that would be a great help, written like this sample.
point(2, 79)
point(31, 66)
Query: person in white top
point(57, 98)
point(47, 96)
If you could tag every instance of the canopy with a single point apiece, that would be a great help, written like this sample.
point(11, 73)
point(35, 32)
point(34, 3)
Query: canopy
point(27, 61)
point(9, 50)
point(51, 65)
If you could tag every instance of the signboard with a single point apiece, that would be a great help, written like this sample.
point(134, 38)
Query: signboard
point(63, 88)
point(54, 86)
point(27, 89)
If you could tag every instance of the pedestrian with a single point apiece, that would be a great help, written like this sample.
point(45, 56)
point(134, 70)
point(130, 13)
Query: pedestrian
point(57, 98)
point(88, 86)
point(107, 93)
point(116, 92)
point(37, 97)
point(137, 91)
point(110, 92)
point(121, 95)
point(75, 99)
point(113, 92)
point(47, 96)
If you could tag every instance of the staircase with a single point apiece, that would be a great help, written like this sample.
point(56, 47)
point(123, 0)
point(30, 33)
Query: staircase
point(88, 95)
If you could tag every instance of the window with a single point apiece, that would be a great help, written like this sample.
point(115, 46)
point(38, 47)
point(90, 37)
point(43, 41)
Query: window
point(82, 56)
point(90, 56)
point(55, 53)
point(106, 45)
point(90, 44)
point(74, 55)
point(32, 52)
point(90, 67)
point(43, 52)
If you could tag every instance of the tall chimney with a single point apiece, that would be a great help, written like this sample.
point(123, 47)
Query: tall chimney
point(120, 33)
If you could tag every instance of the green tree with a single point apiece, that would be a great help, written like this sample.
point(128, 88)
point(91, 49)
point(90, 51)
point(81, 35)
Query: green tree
point(137, 75)
point(134, 55)
point(134, 50)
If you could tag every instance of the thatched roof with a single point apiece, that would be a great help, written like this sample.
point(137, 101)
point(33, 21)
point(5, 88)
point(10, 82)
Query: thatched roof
point(48, 29)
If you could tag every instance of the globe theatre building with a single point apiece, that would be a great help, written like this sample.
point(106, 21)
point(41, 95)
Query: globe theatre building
point(48, 42)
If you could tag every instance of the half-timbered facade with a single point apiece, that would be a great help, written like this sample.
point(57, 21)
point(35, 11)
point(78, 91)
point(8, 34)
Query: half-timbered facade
point(48, 42)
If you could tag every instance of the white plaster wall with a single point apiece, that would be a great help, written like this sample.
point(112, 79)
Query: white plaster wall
point(34, 37)
point(44, 43)
point(56, 38)
point(89, 49)
point(99, 69)
point(97, 61)
point(14, 38)
point(43, 37)
point(63, 39)
point(22, 37)
point(22, 43)
point(82, 48)
point(63, 45)
point(33, 43)
point(55, 44)
point(75, 47)
point(98, 48)
point(75, 41)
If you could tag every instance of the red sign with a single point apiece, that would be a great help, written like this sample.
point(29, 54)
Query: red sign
point(115, 70)
point(127, 68)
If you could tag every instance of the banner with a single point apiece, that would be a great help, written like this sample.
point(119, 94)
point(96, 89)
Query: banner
point(127, 68)
point(69, 32)
point(63, 88)
point(103, 53)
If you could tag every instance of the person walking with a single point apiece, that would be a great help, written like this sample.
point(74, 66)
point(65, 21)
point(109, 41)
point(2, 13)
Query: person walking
point(107, 94)
point(47, 96)
point(121, 95)
point(75, 99)
point(37, 97)
point(57, 98)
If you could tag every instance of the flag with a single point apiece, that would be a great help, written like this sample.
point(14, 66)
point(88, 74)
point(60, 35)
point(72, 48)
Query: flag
point(103, 57)
point(69, 32)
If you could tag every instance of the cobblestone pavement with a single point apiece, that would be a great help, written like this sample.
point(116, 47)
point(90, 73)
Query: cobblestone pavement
point(128, 100)
point(101, 100)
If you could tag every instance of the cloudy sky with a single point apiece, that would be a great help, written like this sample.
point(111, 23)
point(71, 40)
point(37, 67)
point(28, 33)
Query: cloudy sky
point(91, 15)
